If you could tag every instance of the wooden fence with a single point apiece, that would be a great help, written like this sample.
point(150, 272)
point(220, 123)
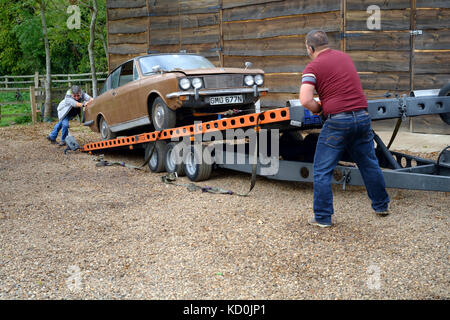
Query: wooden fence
point(32, 85)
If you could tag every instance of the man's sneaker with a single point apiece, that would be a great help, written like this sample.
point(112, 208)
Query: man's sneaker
point(62, 143)
point(51, 140)
point(313, 222)
point(383, 213)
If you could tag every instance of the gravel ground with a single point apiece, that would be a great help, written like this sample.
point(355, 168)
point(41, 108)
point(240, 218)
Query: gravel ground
point(70, 230)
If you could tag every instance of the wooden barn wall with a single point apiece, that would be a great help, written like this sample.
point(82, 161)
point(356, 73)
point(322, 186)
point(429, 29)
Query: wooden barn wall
point(271, 34)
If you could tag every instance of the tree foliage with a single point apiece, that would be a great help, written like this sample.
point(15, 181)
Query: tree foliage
point(22, 44)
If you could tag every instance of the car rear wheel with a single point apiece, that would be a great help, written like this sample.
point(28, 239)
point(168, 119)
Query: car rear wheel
point(445, 91)
point(156, 162)
point(162, 116)
point(105, 131)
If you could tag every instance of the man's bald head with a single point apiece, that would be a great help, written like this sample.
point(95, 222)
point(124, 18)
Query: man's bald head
point(317, 39)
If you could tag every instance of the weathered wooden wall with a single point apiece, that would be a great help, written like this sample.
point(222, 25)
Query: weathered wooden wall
point(271, 34)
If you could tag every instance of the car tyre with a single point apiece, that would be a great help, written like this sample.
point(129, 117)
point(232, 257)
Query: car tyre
point(162, 116)
point(171, 162)
point(195, 169)
point(156, 163)
point(105, 131)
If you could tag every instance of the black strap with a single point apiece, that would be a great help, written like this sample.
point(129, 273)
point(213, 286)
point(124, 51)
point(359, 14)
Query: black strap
point(394, 134)
point(147, 160)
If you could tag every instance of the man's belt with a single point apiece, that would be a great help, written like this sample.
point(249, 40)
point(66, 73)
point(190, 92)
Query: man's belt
point(348, 113)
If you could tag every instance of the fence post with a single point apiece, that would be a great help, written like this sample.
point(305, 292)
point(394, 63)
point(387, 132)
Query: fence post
point(0, 112)
point(33, 104)
point(70, 82)
point(36, 79)
point(6, 83)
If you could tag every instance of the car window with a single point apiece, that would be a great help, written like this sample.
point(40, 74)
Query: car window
point(114, 81)
point(126, 73)
point(135, 72)
point(169, 62)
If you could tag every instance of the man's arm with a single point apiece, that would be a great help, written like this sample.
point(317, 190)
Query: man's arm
point(307, 98)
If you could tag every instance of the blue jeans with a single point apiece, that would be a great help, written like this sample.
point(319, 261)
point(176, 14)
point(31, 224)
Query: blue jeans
point(354, 134)
point(62, 124)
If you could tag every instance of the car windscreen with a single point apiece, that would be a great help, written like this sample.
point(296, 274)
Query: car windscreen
point(173, 62)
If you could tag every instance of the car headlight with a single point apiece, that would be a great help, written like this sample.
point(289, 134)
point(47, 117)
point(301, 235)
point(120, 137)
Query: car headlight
point(185, 83)
point(249, 80)
point(197, 83)
point(259, 79)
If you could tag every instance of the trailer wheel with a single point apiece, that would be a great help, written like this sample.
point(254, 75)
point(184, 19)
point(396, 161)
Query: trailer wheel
point(174, 159)
point(195, 166)
point(445, 91)
point(156, 163)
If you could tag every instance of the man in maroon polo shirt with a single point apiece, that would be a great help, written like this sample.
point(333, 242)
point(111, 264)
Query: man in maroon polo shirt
point(348, 126)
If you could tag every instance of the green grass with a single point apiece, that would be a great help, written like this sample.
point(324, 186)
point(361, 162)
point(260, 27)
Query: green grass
point(8, 111)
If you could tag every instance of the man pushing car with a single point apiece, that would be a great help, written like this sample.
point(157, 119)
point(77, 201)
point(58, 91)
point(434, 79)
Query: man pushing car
point(69, 108)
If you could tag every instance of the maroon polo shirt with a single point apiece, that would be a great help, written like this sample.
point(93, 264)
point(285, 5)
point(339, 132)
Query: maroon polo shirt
point(336, 81)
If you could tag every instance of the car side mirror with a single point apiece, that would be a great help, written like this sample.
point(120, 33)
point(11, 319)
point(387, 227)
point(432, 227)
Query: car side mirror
point(156, 69)
point(248, 65)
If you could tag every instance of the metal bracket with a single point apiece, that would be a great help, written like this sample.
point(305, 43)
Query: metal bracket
point(402, 107)
point(416, 32)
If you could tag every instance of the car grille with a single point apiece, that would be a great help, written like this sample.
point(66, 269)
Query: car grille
point(224, 81)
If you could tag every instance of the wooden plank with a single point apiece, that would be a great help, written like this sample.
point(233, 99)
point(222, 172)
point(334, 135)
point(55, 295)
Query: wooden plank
point(127, 48)
point(283, 82)
point(281, 26)
point(133, 25)
point(390, 20)
point(432, 62)
point(205, 34)
point(204, 49)
point(121, 13)
point(277, 100)
point(378, 40)
point(187, 21)
point(228, 4)
point(380, 61)
point(120, 38)
point(433, 4)
point(385, 81)
point(112, 4)
point(362, 5)
point(433, 19)
point(282, 8)
point(118, 59)
point(284, 45)
point(433, 40)
point(430, 81)
point(169, 8)
point(270, 64)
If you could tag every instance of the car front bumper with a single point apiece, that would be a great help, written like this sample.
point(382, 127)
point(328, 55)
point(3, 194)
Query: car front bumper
point(197, 93)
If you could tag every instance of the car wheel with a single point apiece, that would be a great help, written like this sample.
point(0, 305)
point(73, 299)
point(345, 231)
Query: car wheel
point(174, 159)
point(195, 166)
point(162, 116)
point(445, 91)
point(105, 131)
point(156, 162)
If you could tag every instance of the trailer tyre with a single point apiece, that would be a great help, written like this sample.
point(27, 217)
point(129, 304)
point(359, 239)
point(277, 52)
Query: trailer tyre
point(156, 163)
point(174, 159)
point(196, 167)
point(445, 91)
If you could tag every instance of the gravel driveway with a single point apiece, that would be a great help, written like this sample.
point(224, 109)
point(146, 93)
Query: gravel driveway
point(71, 230)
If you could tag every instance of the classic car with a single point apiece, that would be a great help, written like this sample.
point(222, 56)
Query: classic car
point(161, 91)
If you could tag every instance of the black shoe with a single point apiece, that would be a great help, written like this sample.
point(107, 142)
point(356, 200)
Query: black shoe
point(62, 144)
point(383, 213)
point(51, 140)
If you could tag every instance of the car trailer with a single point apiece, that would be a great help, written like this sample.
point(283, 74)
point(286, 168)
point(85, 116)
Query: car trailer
point(400, 170)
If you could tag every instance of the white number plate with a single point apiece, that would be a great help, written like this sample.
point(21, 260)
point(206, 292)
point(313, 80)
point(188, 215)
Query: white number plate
point(226, 100)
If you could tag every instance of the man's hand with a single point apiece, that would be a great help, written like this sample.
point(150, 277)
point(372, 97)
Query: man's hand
point(307, 98)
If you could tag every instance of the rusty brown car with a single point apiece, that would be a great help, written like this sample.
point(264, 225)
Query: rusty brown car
point(161, 91)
